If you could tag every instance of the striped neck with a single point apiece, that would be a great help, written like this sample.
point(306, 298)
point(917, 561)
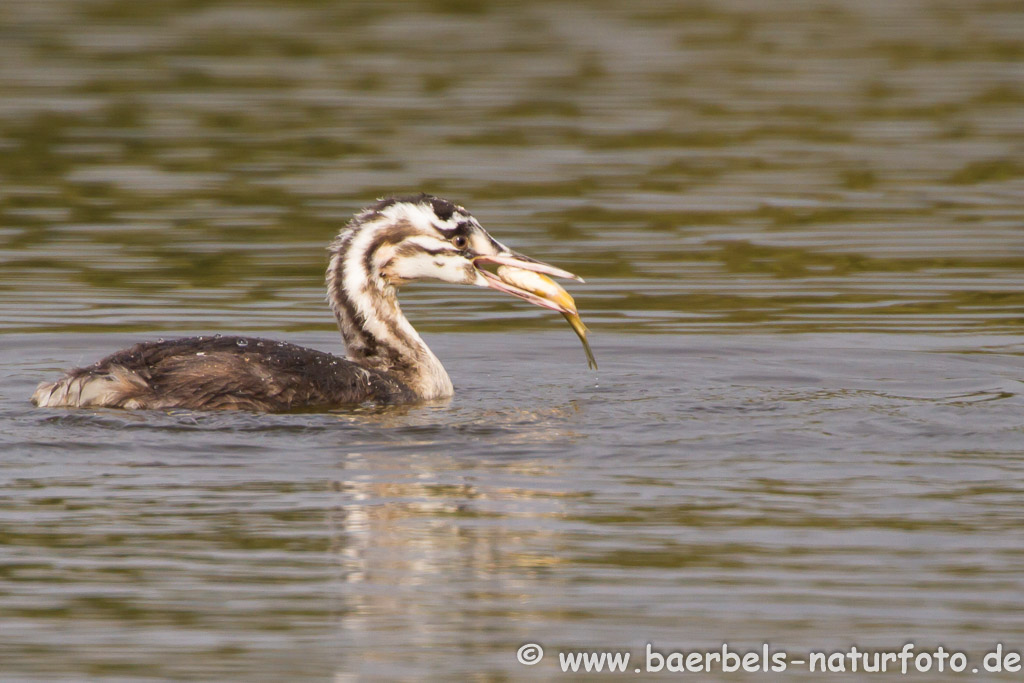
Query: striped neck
point(375, 331)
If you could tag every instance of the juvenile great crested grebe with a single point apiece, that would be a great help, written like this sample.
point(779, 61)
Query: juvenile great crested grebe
point(397, 240)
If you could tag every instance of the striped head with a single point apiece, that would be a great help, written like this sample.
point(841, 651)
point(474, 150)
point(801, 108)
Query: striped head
point(406, 239)
point(403, 239)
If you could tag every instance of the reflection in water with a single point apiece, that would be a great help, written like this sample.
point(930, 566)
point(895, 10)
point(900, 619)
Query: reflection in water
point(412, 549)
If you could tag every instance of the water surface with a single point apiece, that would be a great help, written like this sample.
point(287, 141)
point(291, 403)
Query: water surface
point(802, 235)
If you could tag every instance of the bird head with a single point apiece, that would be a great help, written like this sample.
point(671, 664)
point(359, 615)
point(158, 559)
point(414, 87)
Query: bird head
point(401, 240)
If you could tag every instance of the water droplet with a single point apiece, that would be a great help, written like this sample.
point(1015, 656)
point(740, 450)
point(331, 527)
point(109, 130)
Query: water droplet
point(242, 342)
point(200, 353)
point(159, 340)
point(217, 336)
point(259, 343)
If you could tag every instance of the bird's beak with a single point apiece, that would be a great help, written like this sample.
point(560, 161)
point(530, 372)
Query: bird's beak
point(517, 260)
point(528, 279)
point(523, 277)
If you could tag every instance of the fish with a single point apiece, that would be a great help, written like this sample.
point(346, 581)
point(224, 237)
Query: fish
point(550, 291)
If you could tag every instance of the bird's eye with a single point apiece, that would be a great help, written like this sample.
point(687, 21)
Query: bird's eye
point(460, 241)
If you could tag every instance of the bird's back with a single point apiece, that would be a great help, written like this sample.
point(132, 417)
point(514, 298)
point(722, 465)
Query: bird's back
point(221, 373)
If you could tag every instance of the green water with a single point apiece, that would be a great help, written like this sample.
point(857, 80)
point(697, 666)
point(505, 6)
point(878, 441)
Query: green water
point(802, 231)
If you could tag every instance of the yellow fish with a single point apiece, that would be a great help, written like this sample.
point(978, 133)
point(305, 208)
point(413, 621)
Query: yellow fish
point(550, 291)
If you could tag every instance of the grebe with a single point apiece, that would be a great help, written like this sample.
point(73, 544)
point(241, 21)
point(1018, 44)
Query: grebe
point(395, 241)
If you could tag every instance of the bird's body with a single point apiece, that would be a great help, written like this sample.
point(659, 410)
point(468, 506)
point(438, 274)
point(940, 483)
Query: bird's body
point(395, 241)
point(223, 373)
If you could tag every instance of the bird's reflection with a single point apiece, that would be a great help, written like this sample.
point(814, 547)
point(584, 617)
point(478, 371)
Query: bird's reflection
point(430, 543)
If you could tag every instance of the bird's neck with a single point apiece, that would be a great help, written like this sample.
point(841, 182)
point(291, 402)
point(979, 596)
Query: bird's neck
point(376, 333)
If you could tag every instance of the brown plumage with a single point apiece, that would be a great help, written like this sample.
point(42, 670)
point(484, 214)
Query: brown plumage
point(393, 242)
point(223, 373)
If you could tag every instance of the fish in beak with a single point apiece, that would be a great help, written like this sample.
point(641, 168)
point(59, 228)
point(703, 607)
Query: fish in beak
point(528, 279)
